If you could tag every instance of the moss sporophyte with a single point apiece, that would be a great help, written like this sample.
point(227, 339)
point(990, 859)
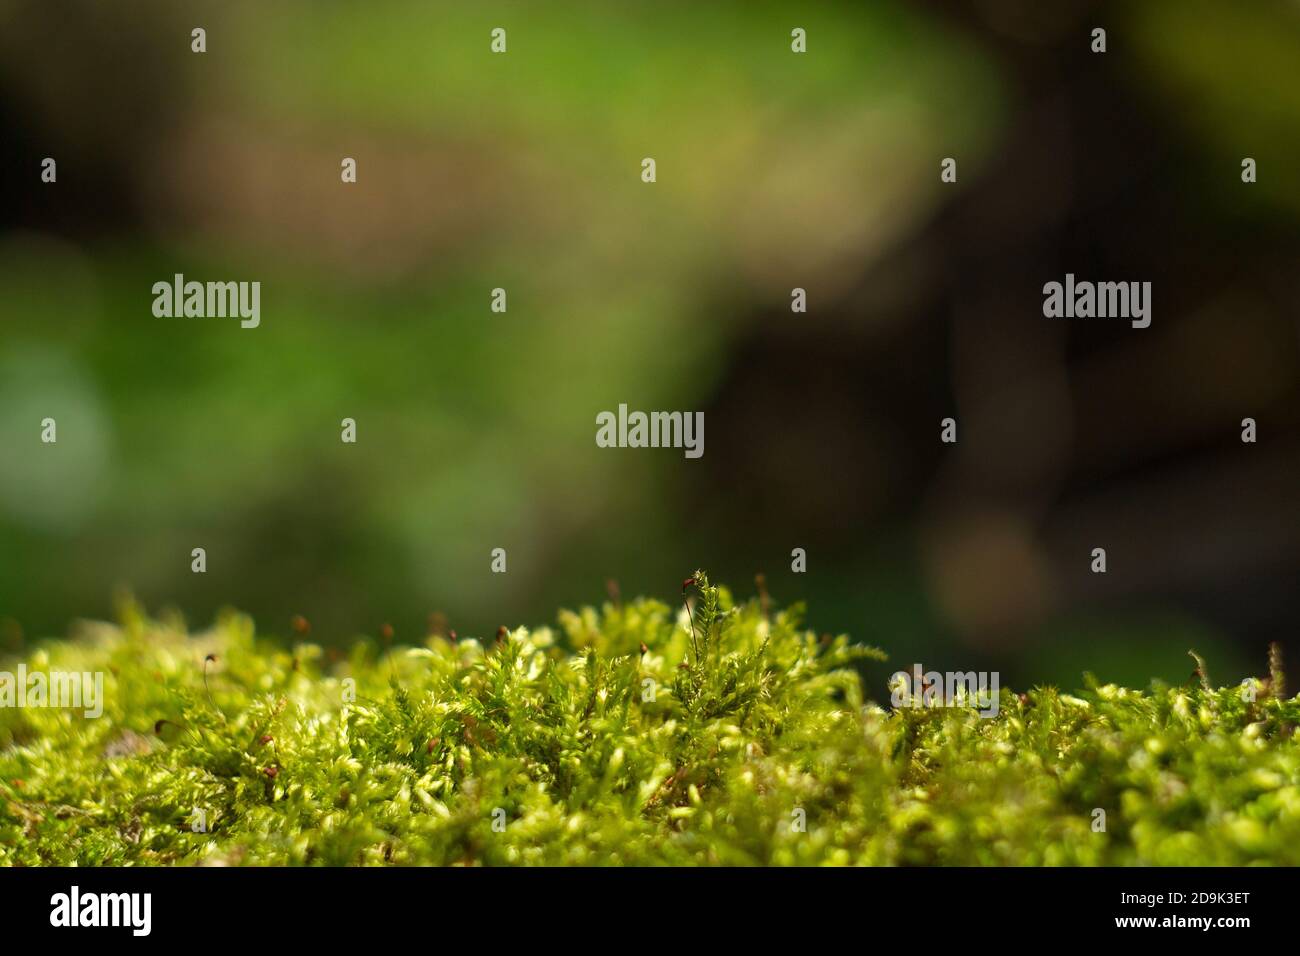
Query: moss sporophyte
point(707, 732)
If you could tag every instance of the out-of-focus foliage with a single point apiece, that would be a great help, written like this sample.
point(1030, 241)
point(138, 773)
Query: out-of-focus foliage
point(476, 171)
point(544, 747)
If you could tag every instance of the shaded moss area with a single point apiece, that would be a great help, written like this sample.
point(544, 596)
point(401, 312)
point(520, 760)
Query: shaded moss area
point(632, 734)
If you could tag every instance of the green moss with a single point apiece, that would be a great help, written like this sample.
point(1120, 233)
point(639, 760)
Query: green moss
point(544, 747)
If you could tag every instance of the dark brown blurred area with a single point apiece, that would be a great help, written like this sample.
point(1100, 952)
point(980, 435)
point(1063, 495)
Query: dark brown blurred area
point(1073, 433)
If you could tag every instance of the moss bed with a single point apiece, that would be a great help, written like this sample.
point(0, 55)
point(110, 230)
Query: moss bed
point(632, 734)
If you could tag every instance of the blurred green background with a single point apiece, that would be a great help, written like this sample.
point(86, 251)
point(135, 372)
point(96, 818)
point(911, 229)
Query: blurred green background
point(775, 171)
